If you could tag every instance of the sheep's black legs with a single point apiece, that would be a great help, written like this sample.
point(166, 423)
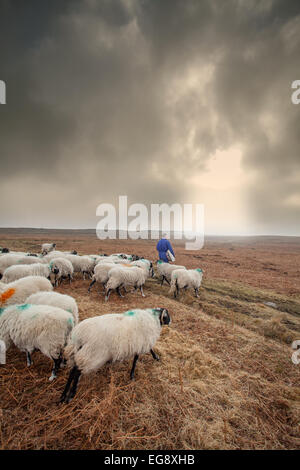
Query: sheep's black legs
point(73, 390)
point(73, 377)
point(118, 291)
point(29, 360)
point(56, 366)
point(197, 292)
point(69, 275)
point(164, 279)
point(91, 284)
point(155, 356)
point(133, 366)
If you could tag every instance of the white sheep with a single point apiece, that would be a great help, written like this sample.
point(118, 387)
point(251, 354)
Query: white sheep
point(62, 269)
point(113, 337)
point(101, 274)
point(66, 302)
point(47, 247)
point(8, 260)
point(165, 270)
point(121, 276)
point(42, 327)
point(82, 264)
point(52, 255)
point(23, 270)
point(30, 260)
point(17, 292)
point(184, 279)
point(144, 263)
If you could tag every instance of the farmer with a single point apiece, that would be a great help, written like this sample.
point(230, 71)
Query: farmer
point(162, 247)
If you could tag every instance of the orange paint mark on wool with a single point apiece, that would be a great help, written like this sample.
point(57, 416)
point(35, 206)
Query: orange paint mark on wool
point(6, 295)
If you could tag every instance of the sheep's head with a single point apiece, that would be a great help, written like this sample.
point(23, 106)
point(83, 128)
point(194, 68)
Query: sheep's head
point(164, 316)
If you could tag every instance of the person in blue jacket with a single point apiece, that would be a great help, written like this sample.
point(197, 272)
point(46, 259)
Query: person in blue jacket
point(162, 247)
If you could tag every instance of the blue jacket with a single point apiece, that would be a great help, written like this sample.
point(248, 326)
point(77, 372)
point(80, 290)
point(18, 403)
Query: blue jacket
point(162, 247)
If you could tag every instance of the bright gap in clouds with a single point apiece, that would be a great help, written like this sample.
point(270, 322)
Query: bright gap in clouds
point(221, 188)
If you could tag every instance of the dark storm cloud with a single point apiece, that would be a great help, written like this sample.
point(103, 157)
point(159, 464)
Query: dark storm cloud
point(99, 103)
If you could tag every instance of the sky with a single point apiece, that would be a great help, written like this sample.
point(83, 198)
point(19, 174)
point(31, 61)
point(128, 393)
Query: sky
point(173, 101)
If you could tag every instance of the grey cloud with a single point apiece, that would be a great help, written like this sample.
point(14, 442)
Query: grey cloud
point(89, 102)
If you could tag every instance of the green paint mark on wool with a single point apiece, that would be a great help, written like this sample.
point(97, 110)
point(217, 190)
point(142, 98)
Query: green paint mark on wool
point(1, 310)
point(23, 307)
point(51, 264)
point(159, 262)
point(129, 313)
point(156, 311)
point(199, 270)
point(69, 310)
point(70, 321)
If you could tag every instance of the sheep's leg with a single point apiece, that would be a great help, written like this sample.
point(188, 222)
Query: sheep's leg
point(68, 384)
point(155, 356)
point(72, 392)
point(103, 285)
point(107, 295)
point(133, 366)
point(91, 284)
point(164, 279)
point(196, 292)
point(56, 367)
point(118, 291)
point(29, 360)
point(141, 289)
point(69, 275)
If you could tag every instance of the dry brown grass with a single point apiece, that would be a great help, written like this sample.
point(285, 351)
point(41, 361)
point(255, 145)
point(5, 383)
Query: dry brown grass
point(225, 379)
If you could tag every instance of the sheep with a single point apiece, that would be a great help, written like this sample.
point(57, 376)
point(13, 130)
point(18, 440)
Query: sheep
point(4, 250)
point(144, 263)
point(52, 255)
point(30, 260)
point(12, 259)
point(17, 272)
point(47, 247)
point(17, 292)
point(165, 270)
point(184, 279)
point(83, 264)
point(121, 276)
point(111, 337)
point(66, 302)
point(62, 268)
point(8, 260)
point(42, 327)
point(100, 274)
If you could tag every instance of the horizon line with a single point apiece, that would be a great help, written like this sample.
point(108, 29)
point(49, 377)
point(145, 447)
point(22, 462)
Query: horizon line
point(133, 231)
